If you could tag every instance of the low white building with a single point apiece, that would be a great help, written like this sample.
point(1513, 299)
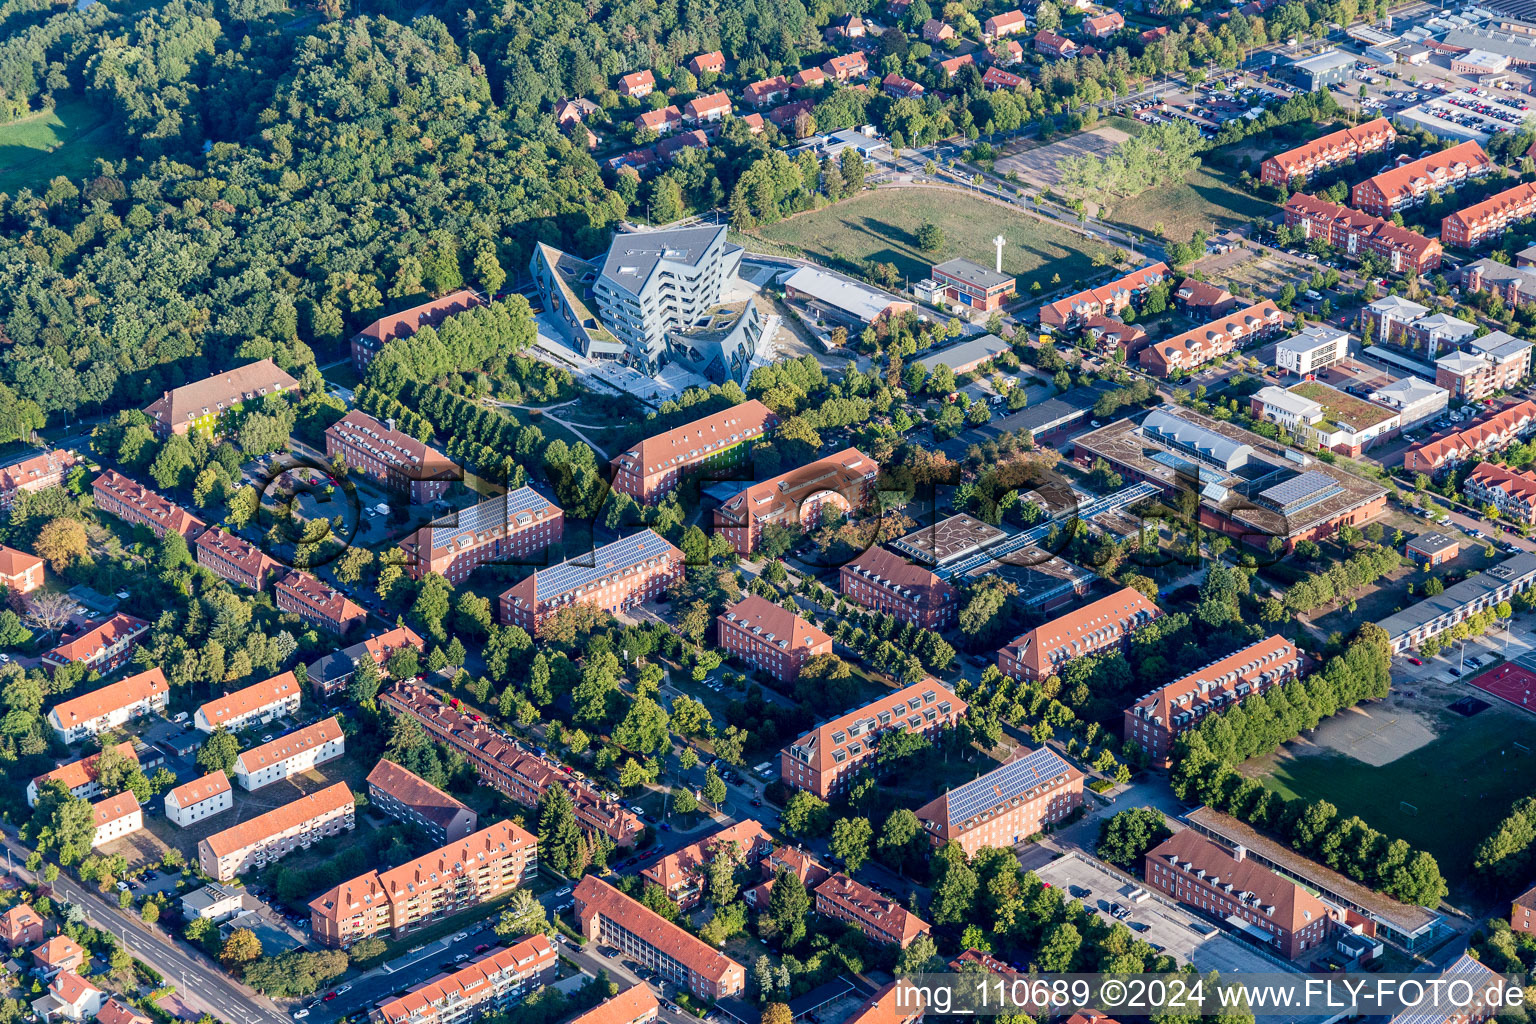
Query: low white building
point(116, 817)
point(1415, 400)
point(213, 902)
point(259, 704)
point(199, 799)
point(1311, 350)
point(1276, 405)
point(70, 997)
point(288, 755)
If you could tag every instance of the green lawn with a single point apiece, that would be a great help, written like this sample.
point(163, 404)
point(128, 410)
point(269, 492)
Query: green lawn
point(65, 140)
point(1204, 198)
point(882, 226)
point(1468, 776)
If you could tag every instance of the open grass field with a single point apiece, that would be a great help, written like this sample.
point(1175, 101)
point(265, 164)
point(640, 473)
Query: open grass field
point(883, 225)
point(1201, 200)
point(65, 140)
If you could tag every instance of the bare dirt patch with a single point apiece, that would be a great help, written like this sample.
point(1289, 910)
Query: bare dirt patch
point(1039, 166)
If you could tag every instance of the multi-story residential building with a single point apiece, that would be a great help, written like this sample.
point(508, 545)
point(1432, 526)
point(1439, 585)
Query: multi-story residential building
point(1520, 912)
point(848, 66)
point(656, 465)
point(1054, 44)
point(491, 984)
point(20, 572)
point(289, 755)
point(1004, 807)
point(267, 838)
point(824, 759)
point(1512, 493)
point(1487, 220)
point(116, 817)
point(508, 766)
point(614, 577)
point(21, 926)
point(635, 1005)
point(1192, 349)
point(330, 675)
point(841, 483)
point(1097, 626)
point(515, 528)
point(102, 648)
point(1311, 350)
point(1434, 615)
point(1438, 331)
point(1409, 184)
point(467, 872)
point(59, 953)
point(199, 799)
point(1198, 871)
point(210, 405)
point(682, 874)
point(1110, 299)
point(415, 471)
point(1203, 298)
point(1515, 285)
point(770, 637)
point(234, 559)
point(249, 706)
point(1484, 435)
point(769, 90)
point(1432, 549)
point(1494, 362)
point(406, 796)
point(1006, 24)
point(964, 283)
point(92, 714)
point(35, 472)
point(1355, 233)
point(713, 63)
point(883, 580)
point(367, 343)
point(1322, 416)
point(1160, 717)
point(318, 603)
point(653, 282)
point(796, 861)
point(879, 917)
point(637, 84)
point(69, 997)
point(134, 503)
point(609, 917)
point(79, 777)
point(1332, 150)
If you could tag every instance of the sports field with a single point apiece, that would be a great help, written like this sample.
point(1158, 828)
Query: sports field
point(882, 226)
point(65, 140)
point(1510, 682)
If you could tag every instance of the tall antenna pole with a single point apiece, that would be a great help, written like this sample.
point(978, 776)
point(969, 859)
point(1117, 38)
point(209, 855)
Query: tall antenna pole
point(999, 241)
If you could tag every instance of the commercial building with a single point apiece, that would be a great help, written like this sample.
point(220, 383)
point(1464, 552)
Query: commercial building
point(1322, 416)
point(838, 299)
point(1487, 220)
point(1494, 362)
point(1320, 71)
point(1409, 184)
point(1511, 423)
point(1512, 493)
point(1332, 150)
point(887, 582)
point(1273, 910)
point(202, 798)
point(1097, 626)
point(213, 902)
point(635, 1005)
point(1314, 349)
point(655, 466)
point(367, 343)
point(289, 755)
point(1193, 349)
point(824, 759)
point(682, 874)
point(1160, 717)
point(965, 283)
point(879, 917)
point(614, 577)
point(770, 637)
point(1432, 549)
point(116, 817)
point(492, 983)
point(134, 503)
point(1434, 615)
point(508, 766)
point(210, 405)
point(330, 675)
point(609, 917)
point(79, 777)
point(799, 498)
point(250, 706)
point(1005, 806)
point(513, 528)
point(1416, 401)
point(318, 603)
point(33, 473)
point(966, 357)
point(1106, 300)
point(1355, 233)
point(467, 872)
point(236, 560)
point(115, 704)
point(415, 471)
point(20, 572)
point(407, 797)
point(269, 837)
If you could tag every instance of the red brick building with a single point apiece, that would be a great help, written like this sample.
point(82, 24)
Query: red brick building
point(1006, 24)
point(770, 637)
point(1353, 233)
point(1332, 150)
point(1195, 348)
point(637, 84)
point(769, 90)
point(391, 457)
point(682, 874)
point(655, 466)
point(1432, 549)
point(513, 528)
point(711, 62)
point(997, 78)
point(1490, 218)
point(847, 66)
point(1097, 626)
point(879, 917)
point(21, 926)
point(1102, 26)
point(1053, 44)
point(615, 577)
point(367, 342)
point(406, 796)
point(1512, 493)
point(1160, 717)
point(1484, 435)
point(209, 405)
point(20, 572)
point(102, 647)
point(1004, 807)
point(885, 581)
point(134, 503)
point(967, 283)
point(899, 87)
point(823, 760)
point(236, 560)
point(841, 482)
point(1107, 299)
point(1520, 912)
point(318, 603)
point(609, 917)
point(34, 473)
point(1409, 184)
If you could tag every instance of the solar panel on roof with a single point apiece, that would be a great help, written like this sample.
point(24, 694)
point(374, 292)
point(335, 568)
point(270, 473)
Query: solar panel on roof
point(1308, 486)
point(1003, 784)
point(610, 558)
point(1172, 461)
point(497, 512)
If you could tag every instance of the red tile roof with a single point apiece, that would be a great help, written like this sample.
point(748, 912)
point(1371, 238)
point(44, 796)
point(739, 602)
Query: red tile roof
point(871, 908)
point(121, 694)
point(198, 790)
point(291, 745)
point(912, 698)
point(250, 698)
point(899, 1002)
point(35, 470)
point(1074, 630)
point(408, 322)
point(698, 439)
point(1520, 487)
point(206, 397)
point(15, 563)
point(1515, 199)
point(1219, 677)
point(1098, 299)
point(322, 598)
point(115, 808)
point(415, 792)
point(594, 896)
point(82, 772)
point(704, 106)
point(118, 1012)
point(531, 956)
point(741, 837)
point(1399, 181)
point(1292, 907)
point(635, 1003)
point(280, 819)
point(149, 504)
point(762, 617)
point(242, 554)
point(1360, 138)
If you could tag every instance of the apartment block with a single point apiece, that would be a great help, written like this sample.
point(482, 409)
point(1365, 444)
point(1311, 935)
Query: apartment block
point(291, 754)
point(330, 675)
point(614, 578)
point(415, 471)
point(839, 483)
point(199, 799)
point(1520, 912)
point(1006, 806)
point(507, 765)
point(886, 582)
point(116, 817)
point(1193, 349)
point(1512, 493)
point(1515, 285)
point(515, 528)
point(635, 1005)
point(824, 759)
point(367, 343)
point(407, 797)
point(101, 648)
point(1355, 233)
point(493, 983)
point(1110, 299)
point(609, 917)
point(654, 467)
point(318, 603)
point(79, 777)
point(250, 706)
point(467, 872)
point(1160, 717)
point(132, 502)
point(115, 704)
point(34, 473)
point(211, 405)
point(682, 874)
point(1332, 150)
point(267, 838)
point(1097, 626)
point(879, 917)
point(1487, 220)
point(20, 572)
point(1480, 436)
point(1409, 184)
point(770, 637)
point(236, 560)
point(1494, 362)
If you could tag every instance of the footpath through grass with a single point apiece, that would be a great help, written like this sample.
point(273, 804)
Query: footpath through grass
point(65, 140)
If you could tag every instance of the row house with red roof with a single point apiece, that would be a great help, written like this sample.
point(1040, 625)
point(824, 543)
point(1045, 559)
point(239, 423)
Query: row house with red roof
point(79, 777)
point(34, 473)
point(511, 528)
point(1409, 184)
point(236, 560)
point(1106, 300)
point(1487, 434)
point(809, 78)
point(996, 78)
point(1102, 26)
point(880, 918)
point(132, 502)
point(101, 648)
point(489, 984)
point(254, 705)
point(1332, 150)
point(707, 109)
point(391, 457)
point(952, 66)
point(1490, 218)
point(682, 874)
point(1104, 624)
point(1512, 493)
point(1355, 233)
point(770, 637)
point(610, 918)
point(110, 706)
point(899, 87)
point(936, 31)
point(664, 121)
point(318, 603)
point(1195, 348)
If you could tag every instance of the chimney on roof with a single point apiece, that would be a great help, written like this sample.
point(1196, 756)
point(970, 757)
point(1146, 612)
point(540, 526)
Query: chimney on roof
point(390, 424)
point(1239, 853)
